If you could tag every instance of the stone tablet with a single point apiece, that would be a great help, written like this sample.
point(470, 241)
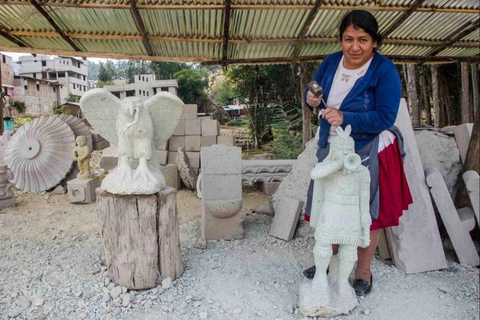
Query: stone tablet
point(415, 244)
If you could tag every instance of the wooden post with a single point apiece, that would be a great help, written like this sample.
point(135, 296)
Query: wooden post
point(465, 95)
point(1, 96)
point(140, 237)
point(476, 98)
point(306, 113)
point(438, 121)
point(426, 98)
point(412, 95)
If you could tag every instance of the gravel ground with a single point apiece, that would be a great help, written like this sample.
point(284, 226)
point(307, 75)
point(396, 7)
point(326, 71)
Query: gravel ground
point(52, 267)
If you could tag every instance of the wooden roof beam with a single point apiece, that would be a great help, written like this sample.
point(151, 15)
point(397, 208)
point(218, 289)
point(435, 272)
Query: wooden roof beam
point(455, 36)
point(54, 25)
point(140, 26)
point(404, 17)
point(226, 28)
point(303, 32)
point(11, 38)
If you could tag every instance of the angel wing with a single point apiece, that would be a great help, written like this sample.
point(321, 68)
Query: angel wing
point(166, 110)
point(101, 107)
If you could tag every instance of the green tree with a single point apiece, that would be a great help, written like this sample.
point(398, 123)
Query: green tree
point(222, 92)
point(192, 84)
point(167, 70)
point(103, 74)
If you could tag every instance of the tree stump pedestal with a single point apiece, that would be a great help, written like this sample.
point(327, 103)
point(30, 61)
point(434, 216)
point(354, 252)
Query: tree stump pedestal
point(141, 237)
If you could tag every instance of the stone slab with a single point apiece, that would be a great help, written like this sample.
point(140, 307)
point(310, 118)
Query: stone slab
point(208, 141)
point(226, 140)
point(383, 248)
point(109, 158)
point(170, 173)
point(190, 111)
point(415, 244)
point(219, 159)
point(163, 146)
point(176, 142)
point(192, 143)
point(194, 158)
point(172, 157)
point(162, 156)
point(467, 217)
point(221, 187)
point(82, 190)
point(210, 127)
point(457, 230)
point(463, 133)
point(472, 183)
point(193, 127)
point(7, 203)
point(222, 219)
point(100, 145)
point(180, 129)
point(284, 223)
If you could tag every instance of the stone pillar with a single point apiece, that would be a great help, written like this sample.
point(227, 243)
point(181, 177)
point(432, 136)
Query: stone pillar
point(221, 188)
point(140, 237)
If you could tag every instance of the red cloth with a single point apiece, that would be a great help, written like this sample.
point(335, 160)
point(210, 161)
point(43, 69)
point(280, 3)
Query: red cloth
point(395, 194)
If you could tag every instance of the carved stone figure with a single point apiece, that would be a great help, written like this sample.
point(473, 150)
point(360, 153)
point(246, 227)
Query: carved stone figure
point(137, 129)
point(6, 195)
point(81, 154)
point(340, 214)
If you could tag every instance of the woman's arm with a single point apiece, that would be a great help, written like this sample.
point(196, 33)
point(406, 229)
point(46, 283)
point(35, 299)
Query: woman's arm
point(387, 100)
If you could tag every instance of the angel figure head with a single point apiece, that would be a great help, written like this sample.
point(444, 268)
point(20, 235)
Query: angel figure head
point(342, 145)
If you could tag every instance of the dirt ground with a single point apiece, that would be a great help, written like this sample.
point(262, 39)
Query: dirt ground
point(52, 266)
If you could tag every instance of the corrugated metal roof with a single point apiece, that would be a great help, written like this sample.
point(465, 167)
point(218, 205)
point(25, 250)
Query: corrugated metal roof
point(193, 30)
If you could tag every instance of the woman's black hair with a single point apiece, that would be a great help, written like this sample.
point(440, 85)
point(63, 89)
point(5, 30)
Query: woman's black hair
point(364, 20)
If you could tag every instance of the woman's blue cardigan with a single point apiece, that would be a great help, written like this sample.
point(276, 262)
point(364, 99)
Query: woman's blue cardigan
point(372, 104)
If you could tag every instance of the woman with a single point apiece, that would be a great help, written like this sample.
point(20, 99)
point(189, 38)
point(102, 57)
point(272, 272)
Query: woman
point(362, 88)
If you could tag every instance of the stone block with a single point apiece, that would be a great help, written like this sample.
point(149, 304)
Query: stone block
point(472, 183)
point(100, 145)
point(286, 218)
point(82, 190)
point(162, 156)
point(226, 140)
point(176, 142)
point(416, 245)
point(109, 158)
point(163, 146)
point(172, 178)
point(208, 141)
point(222, 219)
point(467, 217)
point(269, 188)
point(172, 157)
point(180, 129)
point(193, 127)
point(210, 127)
point(194, 158)
point(192, 143)
point(221, 187)
point(463, 133)
point(219, 159)
point(457, 230)
point(190, 111)
point(7, 203)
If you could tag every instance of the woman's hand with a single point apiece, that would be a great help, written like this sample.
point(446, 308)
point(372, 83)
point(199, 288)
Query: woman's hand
point(312, 100)
point(333, 116)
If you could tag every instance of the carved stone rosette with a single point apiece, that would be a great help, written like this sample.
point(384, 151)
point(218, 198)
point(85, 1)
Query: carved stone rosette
point(266, 170)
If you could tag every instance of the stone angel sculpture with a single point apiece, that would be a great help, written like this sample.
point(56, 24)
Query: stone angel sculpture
point(137, 128)
point(340, 215)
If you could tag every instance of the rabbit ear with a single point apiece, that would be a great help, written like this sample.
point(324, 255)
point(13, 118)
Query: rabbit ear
point(339, 131)
point(348, 130)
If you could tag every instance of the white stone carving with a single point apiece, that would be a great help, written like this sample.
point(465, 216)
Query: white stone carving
point(39, 154)
point(340, 215)
point(188, 175)
point(6, 195)
point(137, 129)
point(266, 170)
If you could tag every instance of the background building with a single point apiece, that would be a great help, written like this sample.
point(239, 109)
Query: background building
point(7, 74)
point(145, 87)
point(70, 72)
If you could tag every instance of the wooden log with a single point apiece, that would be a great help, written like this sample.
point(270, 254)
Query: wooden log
point(426, 98)
point(306, 113)
point(465, 95)
point(140, 237)
point(476, 97)
point(412, 94)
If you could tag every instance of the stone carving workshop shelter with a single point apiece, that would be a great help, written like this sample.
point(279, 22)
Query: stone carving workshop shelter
point(235, 31)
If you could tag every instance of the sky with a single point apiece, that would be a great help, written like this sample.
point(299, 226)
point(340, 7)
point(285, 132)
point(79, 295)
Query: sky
point(15, 56)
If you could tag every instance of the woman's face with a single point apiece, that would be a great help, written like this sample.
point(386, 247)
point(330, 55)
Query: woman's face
point(357, 47)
